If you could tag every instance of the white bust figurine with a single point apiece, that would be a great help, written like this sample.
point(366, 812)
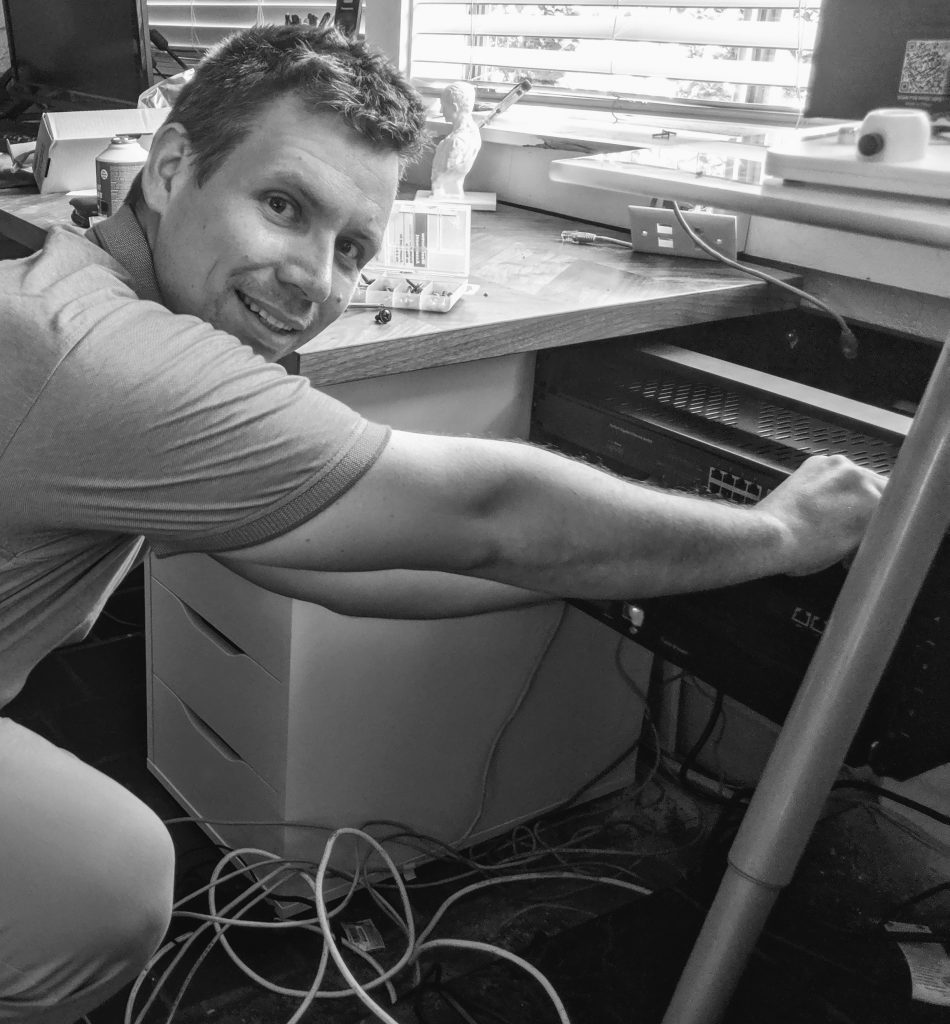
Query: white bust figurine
point(456, 153)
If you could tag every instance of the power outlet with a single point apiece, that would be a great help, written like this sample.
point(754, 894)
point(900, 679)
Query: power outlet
point(655, 229)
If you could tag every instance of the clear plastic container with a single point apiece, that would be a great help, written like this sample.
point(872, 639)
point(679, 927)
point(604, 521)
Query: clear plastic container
point(424, 260)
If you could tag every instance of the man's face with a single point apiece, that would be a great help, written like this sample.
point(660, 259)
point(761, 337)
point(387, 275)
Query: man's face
point(270, 247)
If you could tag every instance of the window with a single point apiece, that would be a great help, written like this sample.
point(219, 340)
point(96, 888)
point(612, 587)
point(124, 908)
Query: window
point(618, 55)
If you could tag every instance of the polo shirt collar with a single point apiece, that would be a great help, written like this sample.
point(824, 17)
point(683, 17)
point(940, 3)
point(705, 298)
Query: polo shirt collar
point(123, 239)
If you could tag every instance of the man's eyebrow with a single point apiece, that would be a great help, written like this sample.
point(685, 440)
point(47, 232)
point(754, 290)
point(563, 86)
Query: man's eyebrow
point(301, 184)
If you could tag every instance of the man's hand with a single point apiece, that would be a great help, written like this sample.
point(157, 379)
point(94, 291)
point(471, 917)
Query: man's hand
point(824, 508)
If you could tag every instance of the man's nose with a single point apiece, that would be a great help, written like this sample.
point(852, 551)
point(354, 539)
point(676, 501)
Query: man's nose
point(308, 267)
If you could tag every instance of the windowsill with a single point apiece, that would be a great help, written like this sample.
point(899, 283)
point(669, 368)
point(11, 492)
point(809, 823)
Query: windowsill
point(592, 131)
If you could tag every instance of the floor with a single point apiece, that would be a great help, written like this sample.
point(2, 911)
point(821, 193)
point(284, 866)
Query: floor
point(611, 954)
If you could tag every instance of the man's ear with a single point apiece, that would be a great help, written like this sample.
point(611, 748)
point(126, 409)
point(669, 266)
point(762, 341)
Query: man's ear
point(168, 165)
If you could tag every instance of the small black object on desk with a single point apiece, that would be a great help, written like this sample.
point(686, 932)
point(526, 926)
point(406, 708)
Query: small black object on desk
point(84, 207)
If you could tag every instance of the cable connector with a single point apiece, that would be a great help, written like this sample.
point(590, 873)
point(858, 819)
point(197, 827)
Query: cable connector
point(849, 343)
point(578, 237)
point(589, 238)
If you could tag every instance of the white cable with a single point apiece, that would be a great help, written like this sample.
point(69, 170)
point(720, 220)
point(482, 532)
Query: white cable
point(457, 1006)
point(186, 942)
point(232, 915)
point(193, 970)
point(219, 928)
point(236, 873)
point(361, 991)
point(512, 715)
point(849, 343)
point(311, 993)
point(215, 918)
point(498, 951)
point(375, 964)
point(307, 995)
point(197, 819)
point(157, 956)
point(530, 876)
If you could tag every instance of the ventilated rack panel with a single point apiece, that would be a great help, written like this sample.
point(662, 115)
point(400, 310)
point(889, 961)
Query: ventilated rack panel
point(763, 429)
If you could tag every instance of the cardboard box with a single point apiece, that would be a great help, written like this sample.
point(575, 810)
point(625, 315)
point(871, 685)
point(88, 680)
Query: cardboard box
point(69, 141)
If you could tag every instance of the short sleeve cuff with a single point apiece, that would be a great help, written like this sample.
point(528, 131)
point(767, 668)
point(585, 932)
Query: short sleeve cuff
point(367, 445)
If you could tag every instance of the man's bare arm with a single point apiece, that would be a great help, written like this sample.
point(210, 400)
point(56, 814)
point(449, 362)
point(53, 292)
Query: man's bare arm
point(521, 515)
point(390, 593)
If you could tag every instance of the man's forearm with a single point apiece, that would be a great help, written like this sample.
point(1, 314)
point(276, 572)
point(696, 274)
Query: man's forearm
point(390, 594)
point(634, 541)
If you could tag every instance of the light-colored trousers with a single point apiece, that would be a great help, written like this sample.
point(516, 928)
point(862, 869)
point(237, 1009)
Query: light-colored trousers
point(86, 874)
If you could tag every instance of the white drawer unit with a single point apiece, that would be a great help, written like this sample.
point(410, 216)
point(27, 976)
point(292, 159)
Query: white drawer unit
point(254, 620)
point(205, 773)
point(229, 691)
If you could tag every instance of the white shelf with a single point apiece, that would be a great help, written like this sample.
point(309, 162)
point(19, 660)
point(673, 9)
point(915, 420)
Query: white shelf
point(902, 218)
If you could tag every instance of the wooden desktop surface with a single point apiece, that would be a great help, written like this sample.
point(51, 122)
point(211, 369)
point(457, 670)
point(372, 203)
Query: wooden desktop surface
point(533, 292)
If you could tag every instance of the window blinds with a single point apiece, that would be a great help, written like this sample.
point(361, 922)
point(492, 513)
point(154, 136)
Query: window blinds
point(198, 24)
point(607, 52)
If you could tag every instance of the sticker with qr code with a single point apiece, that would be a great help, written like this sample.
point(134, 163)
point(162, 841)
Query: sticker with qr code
point(926, 71)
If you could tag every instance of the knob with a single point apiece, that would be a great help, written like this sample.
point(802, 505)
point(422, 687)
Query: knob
point(870, 144)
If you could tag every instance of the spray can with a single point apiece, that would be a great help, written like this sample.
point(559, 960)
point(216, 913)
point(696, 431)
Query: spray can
point(116, 168)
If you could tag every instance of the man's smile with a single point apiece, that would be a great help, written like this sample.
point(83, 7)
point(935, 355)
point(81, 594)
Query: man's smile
point(274, 319)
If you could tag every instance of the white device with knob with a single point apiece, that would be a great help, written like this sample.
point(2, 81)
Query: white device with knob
point(894, 136)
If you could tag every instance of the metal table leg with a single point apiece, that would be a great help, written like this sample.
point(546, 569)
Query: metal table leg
point(870, 613)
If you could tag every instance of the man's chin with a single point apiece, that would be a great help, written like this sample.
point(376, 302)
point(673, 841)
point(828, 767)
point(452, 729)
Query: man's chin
point(271, 353)
point(268, 345)
point(263, 344)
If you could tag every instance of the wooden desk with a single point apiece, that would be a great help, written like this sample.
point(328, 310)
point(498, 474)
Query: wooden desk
point(26, 216)
point(537, 292)
point(534, 292)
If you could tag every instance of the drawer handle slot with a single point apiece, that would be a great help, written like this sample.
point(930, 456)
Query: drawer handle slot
point(210, 632)
point(210, 736)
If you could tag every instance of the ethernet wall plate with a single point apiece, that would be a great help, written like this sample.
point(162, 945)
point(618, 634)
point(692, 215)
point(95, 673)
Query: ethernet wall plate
point(655, 229)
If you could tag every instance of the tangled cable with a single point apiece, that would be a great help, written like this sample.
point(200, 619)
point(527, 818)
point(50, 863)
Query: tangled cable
point(268, 871)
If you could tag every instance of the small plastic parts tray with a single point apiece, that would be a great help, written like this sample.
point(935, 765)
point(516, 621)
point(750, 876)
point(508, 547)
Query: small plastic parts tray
point(424, 260)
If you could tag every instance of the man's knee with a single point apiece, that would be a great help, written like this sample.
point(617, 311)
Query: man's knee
point(87, 933)
point(86, 877)
point(136, 901)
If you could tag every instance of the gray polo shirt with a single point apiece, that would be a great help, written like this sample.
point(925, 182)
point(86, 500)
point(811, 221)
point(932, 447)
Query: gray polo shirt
point(122, 424)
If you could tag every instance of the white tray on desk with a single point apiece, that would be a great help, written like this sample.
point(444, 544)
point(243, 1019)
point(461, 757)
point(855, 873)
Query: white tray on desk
point(901, 218)
point(826, 161)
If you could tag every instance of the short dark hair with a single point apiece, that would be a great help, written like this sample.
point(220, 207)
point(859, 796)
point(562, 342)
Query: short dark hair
point(324, 68)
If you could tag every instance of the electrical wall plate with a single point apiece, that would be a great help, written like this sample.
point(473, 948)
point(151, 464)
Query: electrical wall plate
point(655, 229)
